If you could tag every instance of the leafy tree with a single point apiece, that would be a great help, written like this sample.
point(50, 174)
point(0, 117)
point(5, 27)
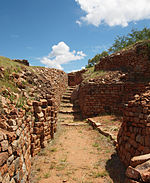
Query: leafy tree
point(96, 59)
point(121, 42)
point(133, 37)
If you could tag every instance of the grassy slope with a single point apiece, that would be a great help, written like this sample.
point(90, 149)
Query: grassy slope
point(9, 67)
point(91, 74)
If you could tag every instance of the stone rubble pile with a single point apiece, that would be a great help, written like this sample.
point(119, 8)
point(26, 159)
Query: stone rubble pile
point(139, 170)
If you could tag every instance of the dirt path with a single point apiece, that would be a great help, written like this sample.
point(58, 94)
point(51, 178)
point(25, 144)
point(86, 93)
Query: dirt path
point(78, 154)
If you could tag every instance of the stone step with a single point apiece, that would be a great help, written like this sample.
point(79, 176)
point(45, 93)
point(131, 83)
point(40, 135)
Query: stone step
point(69, 110)
point(66, 97)
point(72, 86)
point(65, 100)
point(65, 117)
point(70, 89)
point(68, 123)
point(69, 106)
point(67, 94)
point(66, 105)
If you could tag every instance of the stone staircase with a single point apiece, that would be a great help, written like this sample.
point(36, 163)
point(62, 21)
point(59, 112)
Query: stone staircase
point(69, 111)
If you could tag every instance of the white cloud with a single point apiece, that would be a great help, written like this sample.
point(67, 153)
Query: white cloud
point(79, 22)
point(61, 54)
point(76, 70)
point(114, 12)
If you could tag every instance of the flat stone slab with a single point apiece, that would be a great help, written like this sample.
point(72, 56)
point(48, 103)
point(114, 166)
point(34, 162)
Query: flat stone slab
point(74, 124)
point(140, 173)
point(66, 105)
point(106, 129)
point(132, 173)
point(139, 159)
point(69, 110)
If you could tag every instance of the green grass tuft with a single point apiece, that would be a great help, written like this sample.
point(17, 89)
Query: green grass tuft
point(90, 73)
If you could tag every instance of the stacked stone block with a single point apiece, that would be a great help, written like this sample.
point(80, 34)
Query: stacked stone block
point(15, 145)
point(53, 83)
point(24, 62)
point(24, 131)
point(44, 125)
point(134, 60)
point(134, 134)
point(75, 78)
point(23, 137)
point(97, 98)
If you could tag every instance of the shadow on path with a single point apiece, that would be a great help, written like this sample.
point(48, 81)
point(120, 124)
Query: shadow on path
point(116, 169)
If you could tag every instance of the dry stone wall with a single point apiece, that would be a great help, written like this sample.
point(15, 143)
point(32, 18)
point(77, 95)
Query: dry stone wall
point(98, 98)
point(128, 95)
point(25, 130)
point(134, 134)
point(75, 78)
point(50, 83)
point(24, 62)
point(131, 71)
point(15, 156)
point(135, 61)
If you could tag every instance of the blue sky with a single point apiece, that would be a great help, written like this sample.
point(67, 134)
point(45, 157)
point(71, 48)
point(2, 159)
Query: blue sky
point(66, 33)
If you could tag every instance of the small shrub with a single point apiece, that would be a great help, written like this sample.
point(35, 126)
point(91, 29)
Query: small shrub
point(46, 175)
point(95, 145)
point(100, 174)
point(53, 149)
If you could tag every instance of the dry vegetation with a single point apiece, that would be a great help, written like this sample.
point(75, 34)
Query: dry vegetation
point(90, 74)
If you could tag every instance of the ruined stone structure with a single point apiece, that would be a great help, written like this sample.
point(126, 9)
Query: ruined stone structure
point(129, 96)
point(24, 62)
point(135, 61)
point(97, 98)
point(75, 78)
point(134, 135)
point(24, 131)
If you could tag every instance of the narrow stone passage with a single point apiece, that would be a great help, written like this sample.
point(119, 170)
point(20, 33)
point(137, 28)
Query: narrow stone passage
point(78, 154)
point(69, 112)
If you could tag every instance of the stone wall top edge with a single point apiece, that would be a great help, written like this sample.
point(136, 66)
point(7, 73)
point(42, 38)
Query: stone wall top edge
point(50, 69)
point(115, 84)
